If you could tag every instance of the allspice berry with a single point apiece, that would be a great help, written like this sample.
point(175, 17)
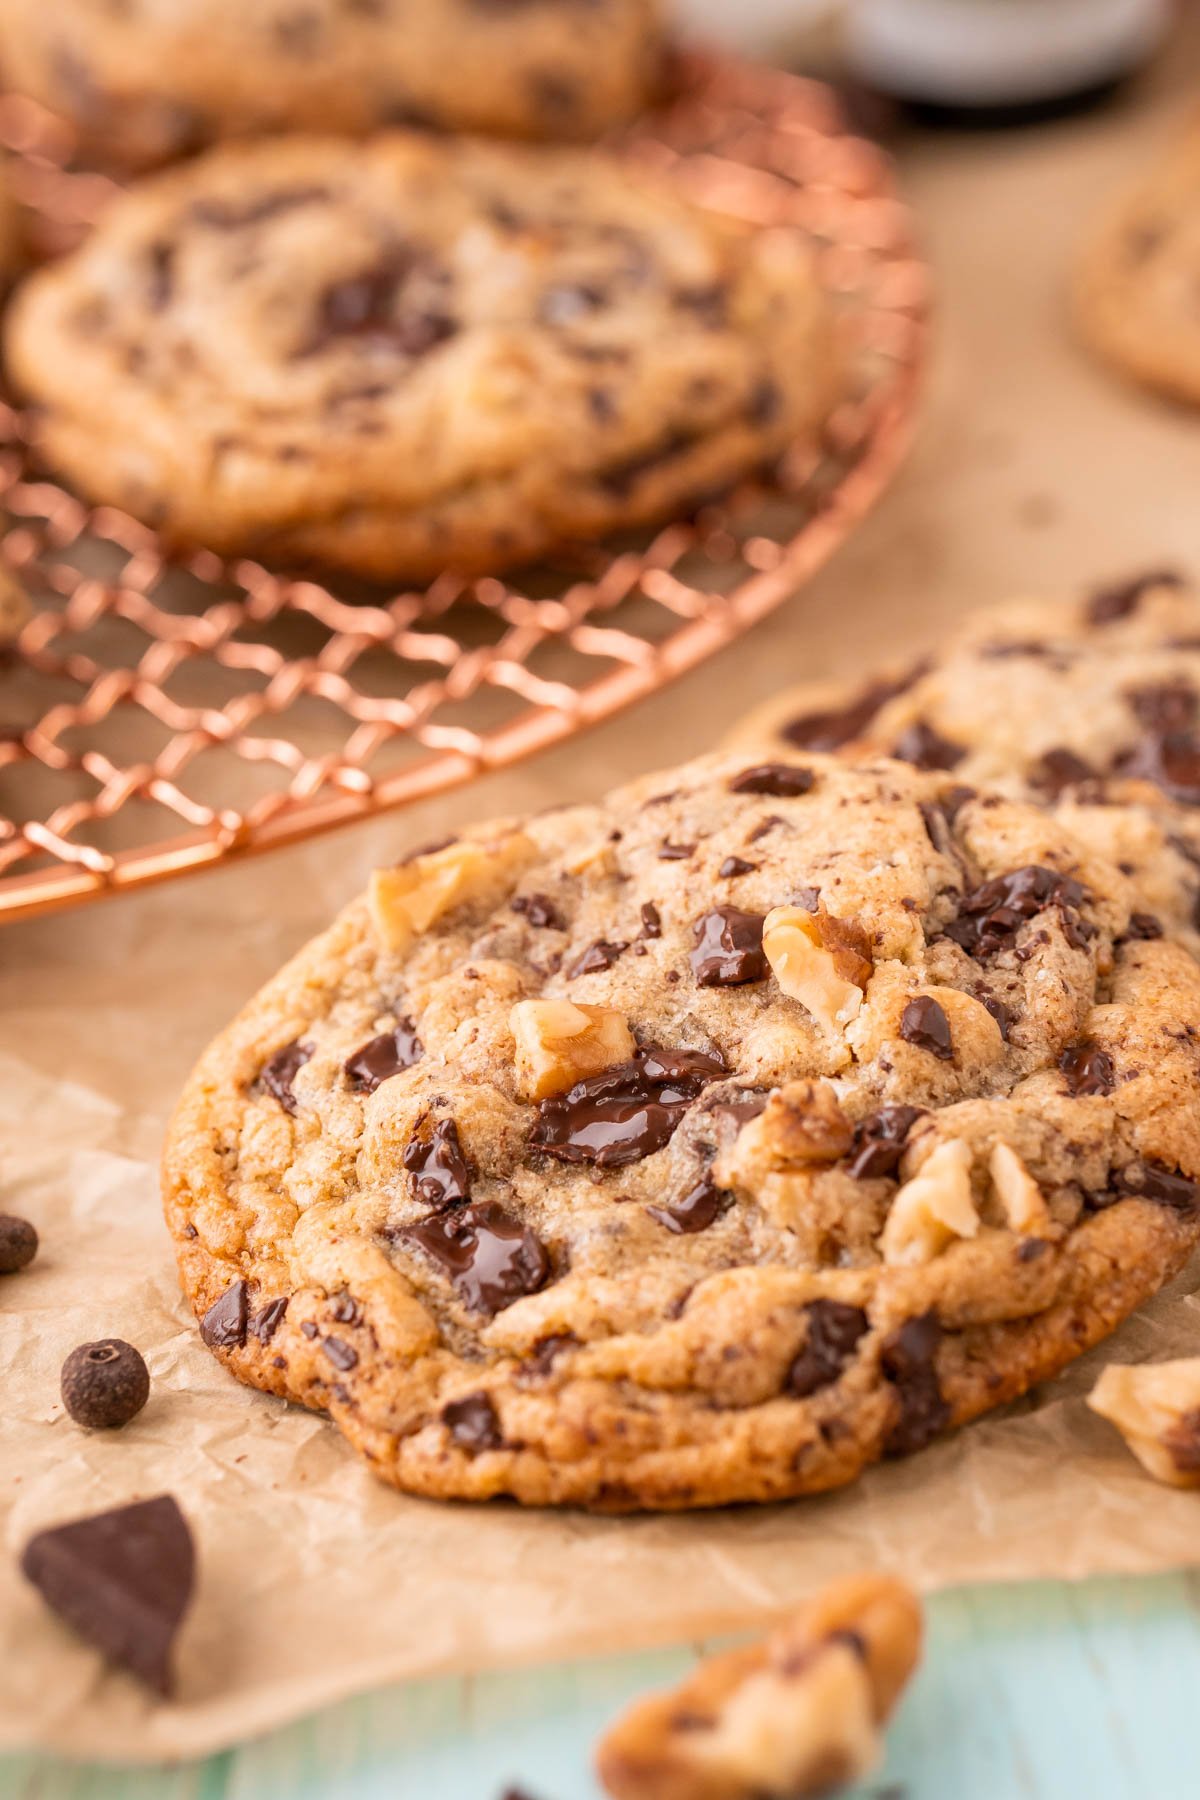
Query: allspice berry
point(18, 1243)
point(105, 1384)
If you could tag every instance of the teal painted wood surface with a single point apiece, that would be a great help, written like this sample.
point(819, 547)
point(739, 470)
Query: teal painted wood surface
point(1038, 1692)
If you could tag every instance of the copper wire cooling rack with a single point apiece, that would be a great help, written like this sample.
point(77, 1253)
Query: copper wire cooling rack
point(159, 716)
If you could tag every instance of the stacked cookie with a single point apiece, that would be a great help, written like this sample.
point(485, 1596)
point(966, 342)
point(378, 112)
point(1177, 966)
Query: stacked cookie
point(411, 353)
point(776, 1115)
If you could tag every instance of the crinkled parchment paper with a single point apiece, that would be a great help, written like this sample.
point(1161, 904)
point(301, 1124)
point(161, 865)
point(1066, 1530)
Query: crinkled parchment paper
point(315, 1581)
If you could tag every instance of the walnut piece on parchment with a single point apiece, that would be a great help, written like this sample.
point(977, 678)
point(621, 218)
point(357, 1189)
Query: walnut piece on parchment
point(1156, 1408)
point(799, 1713)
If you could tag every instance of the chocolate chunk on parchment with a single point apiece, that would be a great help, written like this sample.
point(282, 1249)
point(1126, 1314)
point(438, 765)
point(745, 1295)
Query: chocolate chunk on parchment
point(121, 1579)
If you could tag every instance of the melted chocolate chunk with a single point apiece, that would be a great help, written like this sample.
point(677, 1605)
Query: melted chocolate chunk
point(267, 1320)
point(121, 1579)
point(834, 1330)
point(990, 918)
point(441, 1176)
point(909, 1361)
point(626, 1112)
point(547, 1350)
point(367, 306)
point(830, 730)
point(924, 1024)
point(385, 1056)
point(696, 1211)
point(491, 1257)
point(541, 912)
point(1171, 760)
point(223, 1326)
point(1117, 602)
point(925, 748)
point(1166, 1187)
point(279, 1073)
point(597, 956)
point(785, 781)
point(728, 948)
point(651, 920)
point(473, 1423)
point(1058, 770)
point(1087, 1069)
point(736, 865)
point(345, 1309)
point(879, 1141)
point(1002, 1014)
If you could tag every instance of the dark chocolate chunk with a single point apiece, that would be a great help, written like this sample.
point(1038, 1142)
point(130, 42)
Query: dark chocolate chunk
point(1087, 1068)
point(668, 852)
point(1118, 601)
point(696, 1211)
point(106, 1384)
point(597, 956)
point(651, 920)
point(879, 1141)
point(280, 1071)
point(1166, 1187)
point(1143, 927)
point(990, 917)
point(924, 1024)
point(547, 1349)
point(341, 1354)
point(925, 748)
point(540, 911)
point(830, 730)
point(1002, 1014)
point(620, 478)
point(1165, 706)
point(785, 781)
point(491, 1257)
point(834, 1330)
point(122, 1580)
point(368, 306)
point(473, 1424)
point(736, 865)
point(18, 1243)
point(223, 1326)
point(626, 1112)
point(909, 1361)
point(266, 1321)
point(728, 948)
point(345, 1308)
point(385, 1056)
point(441, 1175)
point(161, 256)
point(1057, 770)
point(1171, 760)
point(765, 827)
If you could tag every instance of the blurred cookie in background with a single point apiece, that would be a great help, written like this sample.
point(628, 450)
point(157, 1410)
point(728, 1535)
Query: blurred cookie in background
point(150, 80)
point(1137, 285)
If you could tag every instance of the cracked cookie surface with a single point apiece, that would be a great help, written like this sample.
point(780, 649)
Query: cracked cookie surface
point(701, 1146)
point(149, 80)
point(414, 355)
point(1135, 288)
point(1090, 707)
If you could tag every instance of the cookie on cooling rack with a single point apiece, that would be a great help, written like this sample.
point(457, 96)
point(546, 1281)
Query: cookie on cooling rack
point(1091, 706)
point(683, 1150)
point(416, 355)
point(144, 83)
point(1135, 290)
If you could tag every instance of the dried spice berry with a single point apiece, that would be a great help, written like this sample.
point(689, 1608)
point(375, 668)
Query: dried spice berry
point(18, 1243)
point(106, 1384)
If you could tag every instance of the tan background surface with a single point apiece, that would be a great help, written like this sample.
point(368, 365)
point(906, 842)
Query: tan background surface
point(1034, 471)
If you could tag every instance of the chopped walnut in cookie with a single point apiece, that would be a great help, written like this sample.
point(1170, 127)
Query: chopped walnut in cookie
point(559, 1042)
point(797, 1714)
point(1156, 1408)
point(407, 900)
point(820, 961)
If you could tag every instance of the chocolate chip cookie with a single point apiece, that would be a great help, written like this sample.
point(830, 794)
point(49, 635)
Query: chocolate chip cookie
point(147, 80)
point(1136, 286)
point(702, 1146)
point(1091, 707)
point(414, 355)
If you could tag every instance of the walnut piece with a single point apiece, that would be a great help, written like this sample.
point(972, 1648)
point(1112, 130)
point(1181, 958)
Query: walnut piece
point(801, 1124)
point(558, 1042)
point(1156, 1408)
point(1018, 1193)
point(933, 1208)
point(819, 961)
point(407, 900)
point(797, 1714)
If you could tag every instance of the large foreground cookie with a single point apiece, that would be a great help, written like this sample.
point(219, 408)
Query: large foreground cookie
point(146, 80)
point(702, 1146)
point(412, 354)
point(1091, 706)
point(1135, 289)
